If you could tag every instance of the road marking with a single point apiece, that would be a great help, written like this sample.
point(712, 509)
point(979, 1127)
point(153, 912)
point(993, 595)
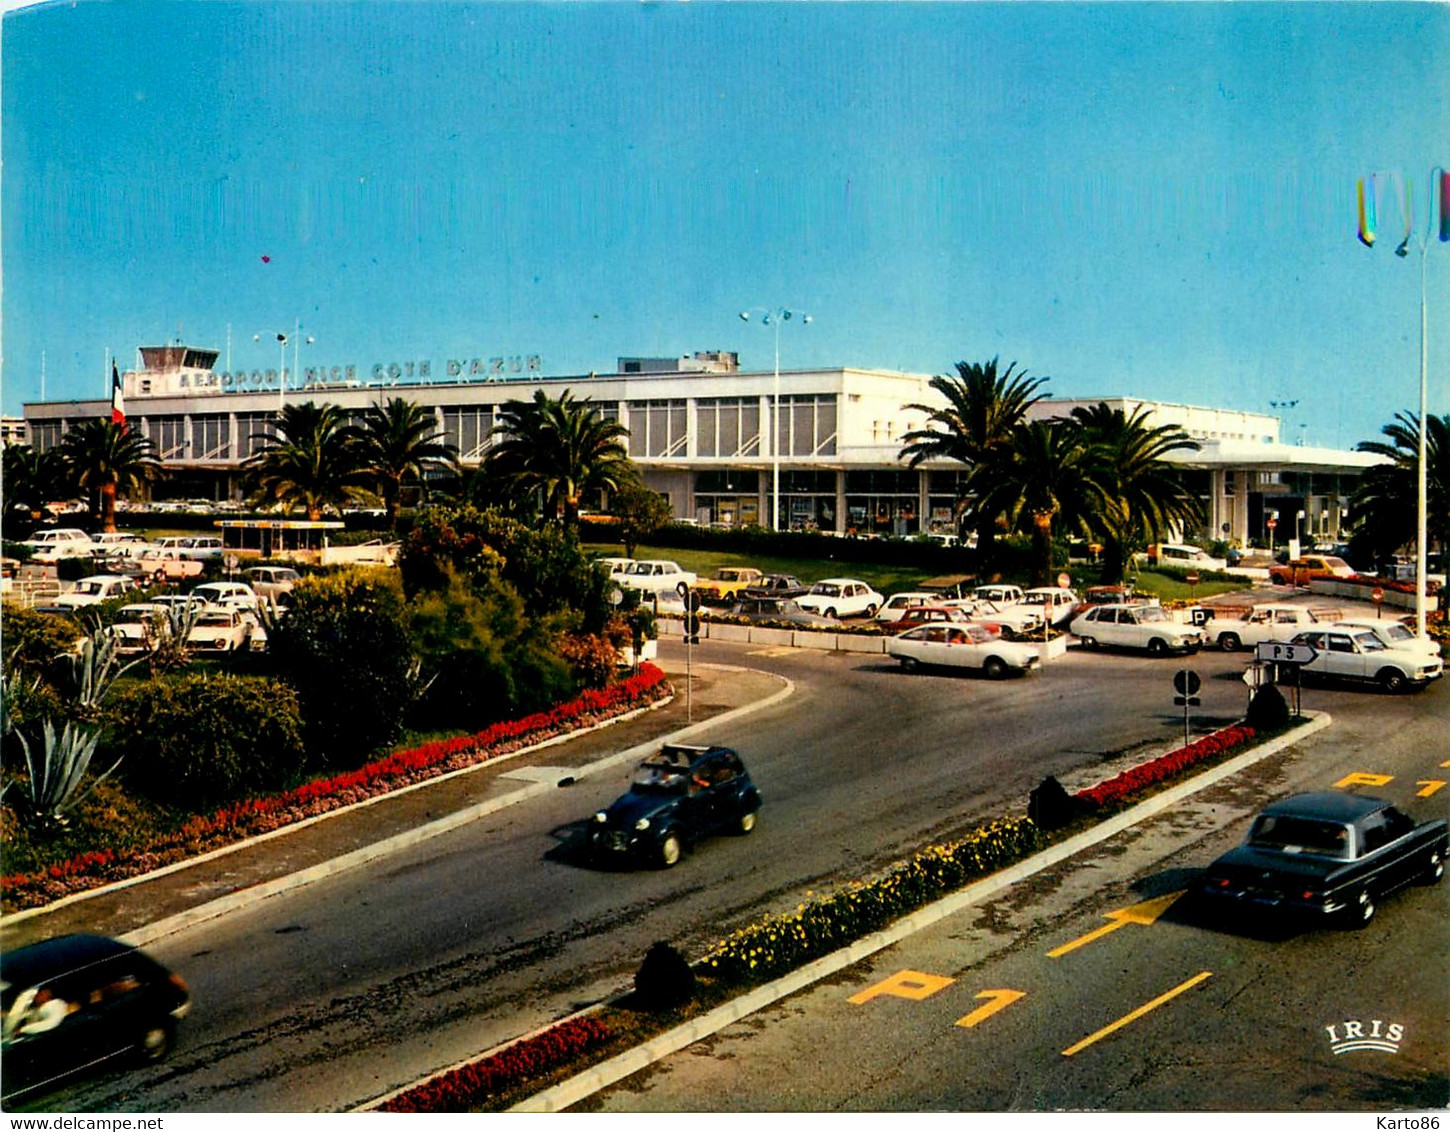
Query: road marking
point(908, 984)
point(1430, 784)
point(1133, 1016)
point(997, 999)
point(1144, 913)
point(784, 650)
point(1359, 778)
point(1445, 763)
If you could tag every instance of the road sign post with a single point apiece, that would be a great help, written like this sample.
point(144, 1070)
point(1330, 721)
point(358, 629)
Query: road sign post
point(1186, 683)
point(1292, 656)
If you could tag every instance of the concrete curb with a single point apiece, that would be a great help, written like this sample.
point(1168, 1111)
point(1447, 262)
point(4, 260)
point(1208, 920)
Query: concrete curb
point(536, 784)
point(583, 1085)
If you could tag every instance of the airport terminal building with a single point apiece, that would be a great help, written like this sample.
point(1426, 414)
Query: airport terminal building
point(700, 429)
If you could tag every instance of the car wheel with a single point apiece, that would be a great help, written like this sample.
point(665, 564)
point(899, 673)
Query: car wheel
point(1361, 911)
point(1435, 870)
point(156, 1041)
point(870, 611)
point(831, 613)
point(1088, 642)
point(909, 664)
point(1392, 680)
point(994, 668)
point(747, 821)
point(1230, 642)
point(1157, 646)
point(684, 592)
point(670, 850)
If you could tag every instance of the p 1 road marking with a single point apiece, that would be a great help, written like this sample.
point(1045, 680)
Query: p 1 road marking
point(908, 984)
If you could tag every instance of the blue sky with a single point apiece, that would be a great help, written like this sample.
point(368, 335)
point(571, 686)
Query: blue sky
point(1154, 200)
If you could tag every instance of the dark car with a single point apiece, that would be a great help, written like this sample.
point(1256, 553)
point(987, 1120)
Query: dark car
point(769, 610)
point(81, 1002)
point(1328, 857)
point(778, 585)
point(678, 797)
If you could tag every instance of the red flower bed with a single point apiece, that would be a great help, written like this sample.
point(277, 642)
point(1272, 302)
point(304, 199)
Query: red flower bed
point(262, 815)
point(470, 1086)
point(1165, 766)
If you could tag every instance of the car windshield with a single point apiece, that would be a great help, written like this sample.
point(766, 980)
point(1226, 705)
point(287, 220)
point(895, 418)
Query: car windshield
point(1397, 633)
point(1287, 833)
point(659, 778)
point(827, 591)
point(214, 621)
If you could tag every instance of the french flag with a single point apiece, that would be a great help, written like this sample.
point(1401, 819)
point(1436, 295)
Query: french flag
point(118, 400)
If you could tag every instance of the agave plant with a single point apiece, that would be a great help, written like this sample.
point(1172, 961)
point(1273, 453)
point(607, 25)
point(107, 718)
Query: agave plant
point(58, 774)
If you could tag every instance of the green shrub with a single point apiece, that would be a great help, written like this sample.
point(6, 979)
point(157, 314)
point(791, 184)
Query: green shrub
point(32, 643)
point(344, 648)
point(199, 740)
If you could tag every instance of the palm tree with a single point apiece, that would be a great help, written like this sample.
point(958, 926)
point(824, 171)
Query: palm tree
point(398, 443)
point(311, 460)
point(34, 480)
point(107, 460)
point(974, 428)
point(1143, 499)
point(1387, 498)
point(553, 452)
point(1043, 485)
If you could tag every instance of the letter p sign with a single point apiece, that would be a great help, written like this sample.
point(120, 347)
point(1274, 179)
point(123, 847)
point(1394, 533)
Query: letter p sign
point(908, 984)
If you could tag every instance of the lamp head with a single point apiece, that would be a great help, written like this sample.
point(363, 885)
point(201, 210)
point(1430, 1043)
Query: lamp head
point(745, 316)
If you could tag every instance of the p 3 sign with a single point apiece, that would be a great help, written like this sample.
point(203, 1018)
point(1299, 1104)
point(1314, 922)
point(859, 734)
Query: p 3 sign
point(1282, 653)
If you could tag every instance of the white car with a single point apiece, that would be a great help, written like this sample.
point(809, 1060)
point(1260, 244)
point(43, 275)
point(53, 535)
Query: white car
point(1054, 603)
point(58, 543)
point(898, 603)
point(998, 594)
point(1135, 627)
point(1393, 633)
point(272, 581)
point(1010, 615)
point(1272, 622)
point(1187, 557)
point(616, 567)
point(202, 548)
point(220, 630)
point(95, 589)
point(1347, 653)
point(841, 597)
point(218, 593)
point(138, 627)
point(960, 646)
point(656, 576)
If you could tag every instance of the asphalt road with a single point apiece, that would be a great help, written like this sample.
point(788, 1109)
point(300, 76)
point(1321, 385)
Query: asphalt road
point(1011, 1006)
point(327, 997)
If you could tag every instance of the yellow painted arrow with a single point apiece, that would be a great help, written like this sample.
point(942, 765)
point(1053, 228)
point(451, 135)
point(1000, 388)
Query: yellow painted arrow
point(1144, 913)
point(996, 1000)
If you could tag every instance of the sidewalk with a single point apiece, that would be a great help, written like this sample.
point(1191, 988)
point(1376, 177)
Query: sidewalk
point(151, 906)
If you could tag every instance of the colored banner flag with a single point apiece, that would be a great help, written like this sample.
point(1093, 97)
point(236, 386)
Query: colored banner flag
point(1367, 222)
point(1372, 191)
point(118, 400)
point(1444, 205)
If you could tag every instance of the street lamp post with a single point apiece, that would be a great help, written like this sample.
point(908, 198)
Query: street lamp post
point(295, 338)
point(1439, 193)
point(767, 318)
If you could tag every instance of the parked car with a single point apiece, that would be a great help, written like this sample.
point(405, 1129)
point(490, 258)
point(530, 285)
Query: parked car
point(727, 583)
point(1017, 617)
point(1135, 627)
point(1273, 622)
point(95, 589)
point(615, 566)
point(898, 603)
point(1109, 595)
point(961, 646)
point(216, 593)
point(915, 615)
point(1359, 655)
point(1395, 634)
point(221, 630)
point(657, 576)
point(1185, 557)
point(167, 564)
point(272, 581)
point(77, 1003)
point(948, 588)
point(174, 601)
point(203, 548)
point(59, 542)
point(778, 585)
point(677, 797)
point(841, 597)
point(768, 609)
point(137, 627)
point(1055, 603)
point(1326, 857)
point(124, 543)
point(998, 594)
point(1301, 571)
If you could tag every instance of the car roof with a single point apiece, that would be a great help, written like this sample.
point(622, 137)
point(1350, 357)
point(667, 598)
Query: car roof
point(1327, 805)
point(26, 966)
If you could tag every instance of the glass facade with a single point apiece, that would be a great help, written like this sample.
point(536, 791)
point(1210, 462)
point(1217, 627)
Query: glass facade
point(882, 502)
point(467, 428)
point(657, 429)
point(727, 426)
